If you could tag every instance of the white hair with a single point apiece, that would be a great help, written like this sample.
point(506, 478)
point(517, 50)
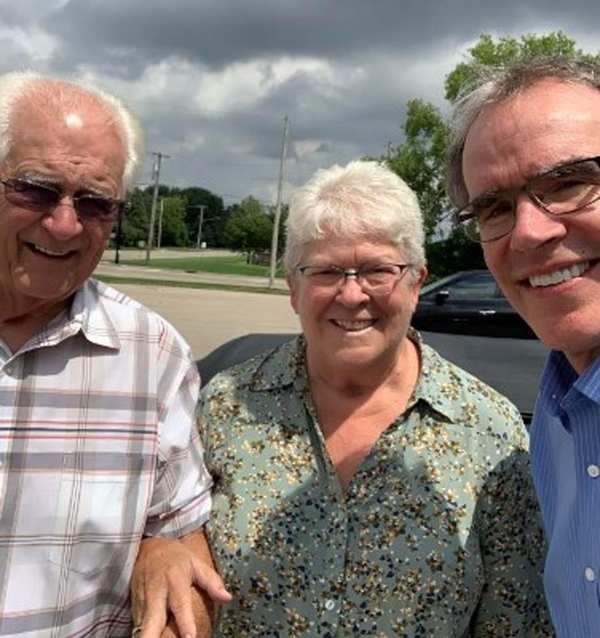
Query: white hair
point(21, 85)
point(360, 200)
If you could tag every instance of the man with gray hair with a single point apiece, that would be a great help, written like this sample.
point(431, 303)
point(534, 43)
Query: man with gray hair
point(524, 170)
point(97, 393)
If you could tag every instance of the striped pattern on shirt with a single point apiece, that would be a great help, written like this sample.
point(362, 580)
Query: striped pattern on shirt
point(98, 446)
point(565, 461)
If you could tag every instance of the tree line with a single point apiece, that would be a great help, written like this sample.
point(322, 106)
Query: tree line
point(246, 226)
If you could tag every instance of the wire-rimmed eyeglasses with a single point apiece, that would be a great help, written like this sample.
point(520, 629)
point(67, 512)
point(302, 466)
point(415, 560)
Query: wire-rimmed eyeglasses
point(562, 190)
point(372, 278)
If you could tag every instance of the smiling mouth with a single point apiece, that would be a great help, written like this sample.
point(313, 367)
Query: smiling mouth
point(559, 276)
point(48, 252)
point(354, 325)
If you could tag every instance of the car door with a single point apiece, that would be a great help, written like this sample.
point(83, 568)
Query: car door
point(467, 303)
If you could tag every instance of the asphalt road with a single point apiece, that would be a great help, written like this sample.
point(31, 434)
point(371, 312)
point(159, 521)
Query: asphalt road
point(208, 318)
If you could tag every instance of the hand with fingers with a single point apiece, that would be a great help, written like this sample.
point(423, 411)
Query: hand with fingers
point(174, 588)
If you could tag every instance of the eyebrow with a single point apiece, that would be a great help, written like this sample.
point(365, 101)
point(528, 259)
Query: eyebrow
point(37, 178)
point(554, 167)
point(540, 172)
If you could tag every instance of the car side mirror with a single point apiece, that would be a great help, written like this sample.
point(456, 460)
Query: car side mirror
point(442, 297)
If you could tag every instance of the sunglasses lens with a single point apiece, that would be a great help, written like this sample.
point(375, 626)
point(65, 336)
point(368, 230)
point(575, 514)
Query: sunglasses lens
point(31, 196)
point(99, 208)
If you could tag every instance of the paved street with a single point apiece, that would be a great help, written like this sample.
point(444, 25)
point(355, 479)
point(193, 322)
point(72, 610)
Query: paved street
point(208, 318)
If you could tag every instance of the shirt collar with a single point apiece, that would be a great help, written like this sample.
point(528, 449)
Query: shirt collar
point(589, 382)
point(435, 384)
point(270, 374)
point(87, 315)
point(561, 385)
point(89, 312)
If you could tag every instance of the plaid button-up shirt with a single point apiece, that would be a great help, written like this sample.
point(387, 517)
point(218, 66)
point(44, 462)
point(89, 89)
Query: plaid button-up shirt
point(98, 447)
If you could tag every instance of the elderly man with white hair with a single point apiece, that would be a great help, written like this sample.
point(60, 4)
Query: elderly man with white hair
point(97, 393)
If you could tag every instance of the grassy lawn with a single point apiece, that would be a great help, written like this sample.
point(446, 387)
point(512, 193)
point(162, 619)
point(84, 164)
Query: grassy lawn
point(230, 265)
point(188, 284)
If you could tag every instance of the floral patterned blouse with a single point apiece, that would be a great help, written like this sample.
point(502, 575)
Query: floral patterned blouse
point(438, 533)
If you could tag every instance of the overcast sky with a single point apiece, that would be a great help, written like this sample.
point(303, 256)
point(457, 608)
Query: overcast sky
point(212, 80)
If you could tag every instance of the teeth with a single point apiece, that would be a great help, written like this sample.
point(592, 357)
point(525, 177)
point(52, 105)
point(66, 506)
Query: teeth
point(355, 325)
point(558, 276)
point(52, 253)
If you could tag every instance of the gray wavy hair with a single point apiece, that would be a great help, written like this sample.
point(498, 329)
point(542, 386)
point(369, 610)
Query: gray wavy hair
point(495, 85)
point(360, 200)
point(54, 92)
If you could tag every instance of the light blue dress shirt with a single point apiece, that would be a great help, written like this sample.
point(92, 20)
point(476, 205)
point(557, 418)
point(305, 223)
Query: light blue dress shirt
point(565, 459)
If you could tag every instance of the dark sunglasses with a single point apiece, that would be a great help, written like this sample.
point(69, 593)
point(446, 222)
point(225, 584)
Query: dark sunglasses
point(43, 199)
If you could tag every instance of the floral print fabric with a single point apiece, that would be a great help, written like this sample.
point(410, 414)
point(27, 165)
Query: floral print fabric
point(438, 533)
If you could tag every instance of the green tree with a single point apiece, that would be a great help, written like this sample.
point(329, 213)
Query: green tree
point(248, 228)
point(494, 53)
point(420, 158)
point(214, 216)
point(135, 222)
point(134, 227)
point(174, 231)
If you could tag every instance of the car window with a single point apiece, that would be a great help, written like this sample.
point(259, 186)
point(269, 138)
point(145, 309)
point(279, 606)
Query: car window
point(475, 286)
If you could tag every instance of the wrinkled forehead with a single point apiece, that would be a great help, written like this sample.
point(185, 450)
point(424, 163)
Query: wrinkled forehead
point(79, 127)
point(55, 100)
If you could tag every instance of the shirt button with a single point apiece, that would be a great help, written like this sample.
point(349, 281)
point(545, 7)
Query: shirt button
point(330, 605)
point(593, 471)
point(590, 575)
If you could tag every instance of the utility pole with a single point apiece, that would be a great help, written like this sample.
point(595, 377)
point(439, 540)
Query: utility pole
point(200, 220)
point(158, 158)
point(160, 216)
point(275, 237)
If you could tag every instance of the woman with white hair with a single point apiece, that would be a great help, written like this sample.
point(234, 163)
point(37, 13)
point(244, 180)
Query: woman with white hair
point(364, 486)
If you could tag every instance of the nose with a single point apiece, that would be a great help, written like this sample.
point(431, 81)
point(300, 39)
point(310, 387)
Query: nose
point(534, 227)
point(350, 293)
point(63, 222)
